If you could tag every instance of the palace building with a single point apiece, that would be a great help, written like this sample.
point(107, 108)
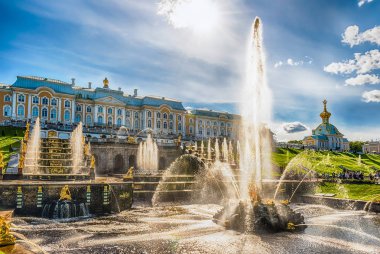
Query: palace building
point(62, 103)
point(326, 136)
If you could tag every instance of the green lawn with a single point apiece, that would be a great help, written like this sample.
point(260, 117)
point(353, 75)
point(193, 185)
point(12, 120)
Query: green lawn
point(367, 192)
point(325, 161)
point(10, 137)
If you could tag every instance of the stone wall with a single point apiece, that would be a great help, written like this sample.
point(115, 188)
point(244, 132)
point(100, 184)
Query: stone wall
point(116, 158)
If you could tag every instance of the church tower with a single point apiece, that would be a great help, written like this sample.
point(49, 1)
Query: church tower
point(325, 115)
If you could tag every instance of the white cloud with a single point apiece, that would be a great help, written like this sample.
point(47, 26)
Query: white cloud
point(294, 127)
point(352, 36)
point(363, 63)
point(292, 62)
point(371, 96)
point(362, 2)
point(362, 80)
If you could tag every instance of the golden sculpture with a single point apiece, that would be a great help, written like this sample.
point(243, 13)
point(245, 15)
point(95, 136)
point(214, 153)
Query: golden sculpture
point(65, 193)
point(6, 238)
point(131, 140)
point(105, 83)
point(21, 161)
point(86, 149)
point(129, 175)
point(92, 165)
point(1, 161)
point(26, 135)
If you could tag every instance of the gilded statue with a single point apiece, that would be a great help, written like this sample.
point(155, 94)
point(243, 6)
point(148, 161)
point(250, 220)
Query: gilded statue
point(92, 165)
point(129, 175)
point(65, 193)
point(1, 160)
point(6, 238)
point(131, 140)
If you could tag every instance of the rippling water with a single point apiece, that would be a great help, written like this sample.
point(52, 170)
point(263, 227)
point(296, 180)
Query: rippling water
point(189, 229)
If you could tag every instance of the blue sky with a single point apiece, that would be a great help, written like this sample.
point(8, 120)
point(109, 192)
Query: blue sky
point(134, 47)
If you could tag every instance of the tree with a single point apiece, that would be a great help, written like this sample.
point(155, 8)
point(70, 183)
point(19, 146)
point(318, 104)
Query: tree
point(295, 142)
point(356, 146)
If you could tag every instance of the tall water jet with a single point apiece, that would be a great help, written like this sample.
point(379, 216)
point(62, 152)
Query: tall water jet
point(225, 151)
point(196, 147)
point(147, 155)
point(217, 151)
point(202, 149)
point(256, 111)
point(33, 149)
point(77, 146)
point(209, 150)
point(231, 153)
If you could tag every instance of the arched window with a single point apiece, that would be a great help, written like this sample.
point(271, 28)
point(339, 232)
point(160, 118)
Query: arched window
point(191, 121)
point(78, 108)
point(35, 99)
point(53, 114)
point(171, 125)
point(7, 98)
point(136, 124)
point(208, 131)
point(45, 101)
point(208, 123)
point(44, 113)
point(88, 109)
point(67, 116)
point(128, 113)
point(179, 126)
point(20, 110)
point(222, 124)
point(119, 121)
point(149, 114)
point(171, 116)
point(67, 104)
point(215, 123)
point(88, 120)
point(54, 102)
point(35, 112)
point(180, 118)
point(128, 123)
point(109, 122)
point(109, 111)
point(191, 130)
point(7, 111)
point(158, 124)
point(136, 115)
point(149, 123)
point(215, 133)
point(100, 109)
point(165, 116)
point(158, 115)
point(200, 131)
point(119, 112)
point(100, 120)
point(21, 98)
point(165, 125)
point(78, 118)
point(222, 132)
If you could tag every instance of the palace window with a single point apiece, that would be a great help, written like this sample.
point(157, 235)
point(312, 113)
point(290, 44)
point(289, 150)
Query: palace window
point(119, 112)
point(119, 121)
point(78, 108)
point(67, 104)
point(35, 112)
point(158, 125)
point(45, 101)
point(66, 116)
point(128, 113)
point(78, 118)
point(222, 124)
point(165, 116)
point(171, 125)
point(215, 123)
point(171, 116)
point(53, 102)
point(215, 133)
point(88, 109)
point(7, 111)
point(109, 111)
point(191, 121)
point(44, 113)
point(53, 114)
point(149, 123)
point(191, 130)
point(200, 122)
point(21, 98)
point(208, 123)
point(158, 115)
point(136, 115)
point(20, 110)
point(208, 131)
point(100, 120)
point(222, 132)
point(165, 125)
point(88, 120)
point(100, 109)
point(136, 124)
point(200, 131)
point(149, 114)
point(179, 126)
point(180, 118)
point(7, 98)
point(128, 123)
point(35, 99)
point(109, 122)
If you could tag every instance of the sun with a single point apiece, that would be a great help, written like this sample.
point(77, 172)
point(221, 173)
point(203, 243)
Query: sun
point(201, 16)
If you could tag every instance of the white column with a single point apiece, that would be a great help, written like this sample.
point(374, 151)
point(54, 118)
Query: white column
point(183, 125)
point(95, 120)
point(59, 104)
point(143, 119)
point(14, 105)
point(84, 111)
point(73, 111)
point(115, 116)
point(123, 116)
point(29, 106)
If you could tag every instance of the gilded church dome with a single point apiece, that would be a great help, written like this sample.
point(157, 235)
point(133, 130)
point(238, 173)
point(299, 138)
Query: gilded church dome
point(325, 115)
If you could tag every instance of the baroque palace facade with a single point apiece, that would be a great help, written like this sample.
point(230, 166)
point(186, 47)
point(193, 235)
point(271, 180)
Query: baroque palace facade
point(58, 102)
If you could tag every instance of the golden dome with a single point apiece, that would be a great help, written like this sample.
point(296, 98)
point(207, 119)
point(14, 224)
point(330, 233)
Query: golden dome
point(325, 115)
point(105, 83)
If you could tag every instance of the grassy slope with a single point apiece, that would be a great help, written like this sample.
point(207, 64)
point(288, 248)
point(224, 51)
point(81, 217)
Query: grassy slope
point(10, 136)
point(367, 192)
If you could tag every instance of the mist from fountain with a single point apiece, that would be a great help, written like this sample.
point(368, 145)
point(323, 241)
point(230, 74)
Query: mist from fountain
point(209, 150)
point(77, 146)
point(225, 151)
point(147, 155)
point(33, 149)
point(217, 151)
point(202, 149)
point(231, 153)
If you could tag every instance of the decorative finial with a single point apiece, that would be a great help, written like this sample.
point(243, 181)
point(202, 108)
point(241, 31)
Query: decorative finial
point(325, 115)
point(105, 83)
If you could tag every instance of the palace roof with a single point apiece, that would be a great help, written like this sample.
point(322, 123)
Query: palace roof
point(212, 113)
point(31, 82)
point(326, 129)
